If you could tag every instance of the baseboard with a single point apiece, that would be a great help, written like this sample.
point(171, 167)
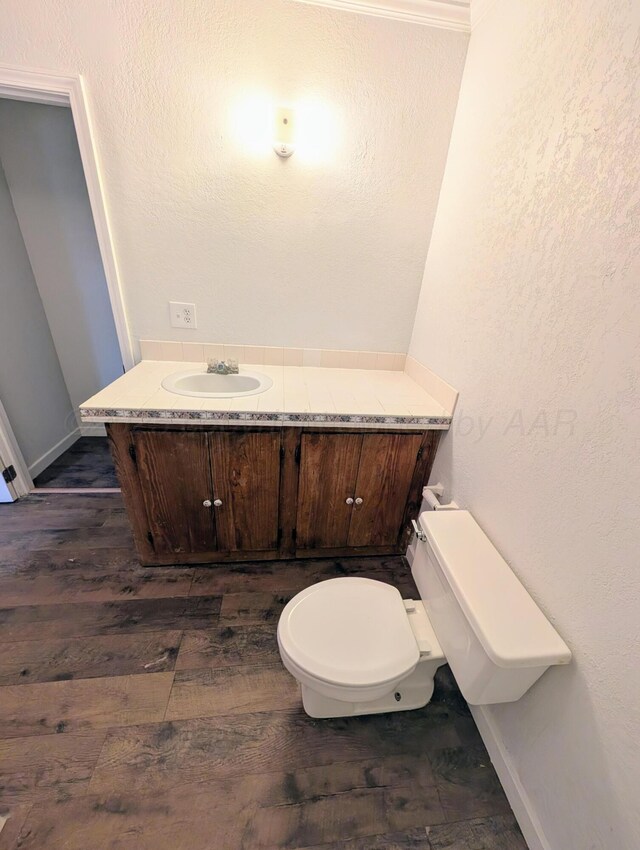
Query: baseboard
point(75, 491)
point(54, 452)
point(508, 776)
point(93, 429)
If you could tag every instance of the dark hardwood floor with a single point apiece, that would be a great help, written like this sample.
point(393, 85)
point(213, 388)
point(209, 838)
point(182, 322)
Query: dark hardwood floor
point(87, 463)
point(147, 709)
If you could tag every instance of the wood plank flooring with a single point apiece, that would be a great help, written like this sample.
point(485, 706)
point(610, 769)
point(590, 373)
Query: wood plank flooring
point(87, 463)
point(147, 709)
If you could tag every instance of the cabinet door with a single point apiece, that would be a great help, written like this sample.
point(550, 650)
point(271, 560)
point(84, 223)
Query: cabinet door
point(175, 478)
point(328, 471)
point(387, 462)
point(246, 479)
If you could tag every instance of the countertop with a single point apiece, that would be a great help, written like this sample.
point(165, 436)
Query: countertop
point(299, 395)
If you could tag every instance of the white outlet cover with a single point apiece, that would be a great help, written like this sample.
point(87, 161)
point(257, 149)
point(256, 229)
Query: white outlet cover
point(183, 315)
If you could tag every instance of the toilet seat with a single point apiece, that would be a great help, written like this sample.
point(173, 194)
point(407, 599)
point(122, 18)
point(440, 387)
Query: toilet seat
point(348, 636)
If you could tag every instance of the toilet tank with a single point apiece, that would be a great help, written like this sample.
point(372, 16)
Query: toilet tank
point(495, 638)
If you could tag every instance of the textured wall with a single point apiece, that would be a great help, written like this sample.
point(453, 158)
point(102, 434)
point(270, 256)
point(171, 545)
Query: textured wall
point(41, 161)
point(324, 250)
point(531, 305)
point(32, 389)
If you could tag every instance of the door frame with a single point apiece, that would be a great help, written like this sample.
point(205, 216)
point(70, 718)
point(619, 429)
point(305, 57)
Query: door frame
point(11, 455)
point(46, 87)
point(18, 83)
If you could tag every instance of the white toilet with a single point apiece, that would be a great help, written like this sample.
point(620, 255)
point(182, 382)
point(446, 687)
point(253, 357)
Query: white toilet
point(357, 648)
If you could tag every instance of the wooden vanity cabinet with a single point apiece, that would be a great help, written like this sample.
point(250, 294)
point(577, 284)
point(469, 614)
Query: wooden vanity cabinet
point(246, 479)
point(385, 473)
point(174, 471)
point(197, 495)
point(327, 477)
point(206, 494)
point(354, 489)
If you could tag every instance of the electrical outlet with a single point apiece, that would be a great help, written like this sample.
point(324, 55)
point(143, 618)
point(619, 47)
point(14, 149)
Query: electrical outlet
point(182, 315)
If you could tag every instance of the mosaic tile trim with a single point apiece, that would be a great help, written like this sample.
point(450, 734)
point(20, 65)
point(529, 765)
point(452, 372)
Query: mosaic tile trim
point(272, 418)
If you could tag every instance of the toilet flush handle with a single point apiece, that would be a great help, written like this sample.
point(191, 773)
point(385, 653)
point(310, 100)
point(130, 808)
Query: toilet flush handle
point(418, 531)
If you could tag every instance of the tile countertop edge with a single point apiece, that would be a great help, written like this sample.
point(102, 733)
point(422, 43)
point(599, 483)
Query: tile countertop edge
point(176, 417)
point(395, 400)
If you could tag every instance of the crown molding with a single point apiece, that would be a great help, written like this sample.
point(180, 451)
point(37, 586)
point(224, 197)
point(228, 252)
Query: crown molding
point(479, 9)
point(445, 14)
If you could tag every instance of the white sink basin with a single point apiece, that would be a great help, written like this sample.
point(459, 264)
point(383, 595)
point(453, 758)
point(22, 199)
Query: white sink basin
point(212, 385)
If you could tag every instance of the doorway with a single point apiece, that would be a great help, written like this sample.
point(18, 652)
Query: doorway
point(63, 336)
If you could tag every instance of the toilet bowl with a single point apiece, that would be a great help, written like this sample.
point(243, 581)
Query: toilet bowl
point(356, 647)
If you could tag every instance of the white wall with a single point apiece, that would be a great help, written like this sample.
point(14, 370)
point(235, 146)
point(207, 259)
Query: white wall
point(40, 156)
point(325, 250)
point(32, 388)
point(530, 303)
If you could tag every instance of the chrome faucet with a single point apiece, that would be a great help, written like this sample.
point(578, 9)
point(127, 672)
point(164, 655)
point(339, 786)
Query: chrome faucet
point(223, 367)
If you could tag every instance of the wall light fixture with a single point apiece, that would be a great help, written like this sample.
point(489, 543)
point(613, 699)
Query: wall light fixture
point(284, 131)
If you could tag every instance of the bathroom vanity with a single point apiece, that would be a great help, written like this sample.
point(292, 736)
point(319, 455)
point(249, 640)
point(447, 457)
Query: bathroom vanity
point(204, 493)
point(203, 482)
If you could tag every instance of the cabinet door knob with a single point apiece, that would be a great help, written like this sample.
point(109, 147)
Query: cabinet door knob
point(359, 501)
point(207, 503)
point(349, 501)
point(217, 503)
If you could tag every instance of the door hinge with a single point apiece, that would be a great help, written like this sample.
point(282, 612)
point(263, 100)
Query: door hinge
point(279, 537)
point(9, 474)
point(281, 452)
point(294, 534)
point(132, 453)
point(297, 454)
point(420, 453)
point(150, 537)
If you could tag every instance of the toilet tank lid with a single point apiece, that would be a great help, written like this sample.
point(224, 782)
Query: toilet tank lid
point(511, 628)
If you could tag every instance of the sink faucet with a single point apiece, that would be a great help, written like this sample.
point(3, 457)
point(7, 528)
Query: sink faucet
point(223, 367)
